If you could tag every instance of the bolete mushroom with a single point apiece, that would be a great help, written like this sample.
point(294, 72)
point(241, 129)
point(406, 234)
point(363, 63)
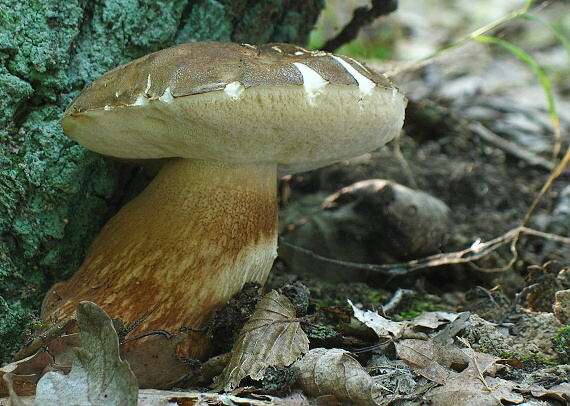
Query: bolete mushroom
point(230, 118)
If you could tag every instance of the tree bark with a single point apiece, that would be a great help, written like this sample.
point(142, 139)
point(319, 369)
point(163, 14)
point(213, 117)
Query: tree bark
point(54, 194)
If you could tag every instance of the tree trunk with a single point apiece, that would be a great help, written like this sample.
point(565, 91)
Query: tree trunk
point(54, 194)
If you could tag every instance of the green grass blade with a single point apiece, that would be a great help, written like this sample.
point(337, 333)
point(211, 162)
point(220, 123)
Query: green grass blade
point(526, 58)
point(515, 50)
point(563, 40)
point(462, 41)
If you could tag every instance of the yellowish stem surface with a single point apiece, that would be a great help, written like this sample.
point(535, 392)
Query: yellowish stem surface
point(182, 248)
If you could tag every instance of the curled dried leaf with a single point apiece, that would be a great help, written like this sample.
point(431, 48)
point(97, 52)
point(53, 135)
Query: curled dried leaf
point(98, 374)
point(335, 372)
point(383, 327)
point(156, 364)
point(271, 337)
point(475, 385)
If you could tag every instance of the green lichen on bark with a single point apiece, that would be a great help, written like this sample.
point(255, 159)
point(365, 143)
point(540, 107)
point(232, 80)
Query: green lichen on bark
point(55, 195)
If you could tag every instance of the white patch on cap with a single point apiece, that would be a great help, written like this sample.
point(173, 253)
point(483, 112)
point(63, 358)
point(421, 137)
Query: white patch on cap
point(234, 90)
point(142, 100)
point(364, 84)
point(166, 96)
point(148, 84)
point(277, 49)
point(364, 68)
point(312, 81)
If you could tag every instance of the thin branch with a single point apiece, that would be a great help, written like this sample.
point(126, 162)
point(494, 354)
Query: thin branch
point(476, 251)
point(510, 147)
point(56, 330)
point(362, 16)
point(491, 26)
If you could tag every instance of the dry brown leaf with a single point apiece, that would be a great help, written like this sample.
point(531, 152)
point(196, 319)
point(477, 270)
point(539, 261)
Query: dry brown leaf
point(559, 392)
point(382, 326)
point(433, 320)
point(24, 374)
point(98, 375)
point(270, 338)
point(446, 336)
point(156, 364)
point(423, 357)
point(473, 386)
point(335, 372)
point(468, 389)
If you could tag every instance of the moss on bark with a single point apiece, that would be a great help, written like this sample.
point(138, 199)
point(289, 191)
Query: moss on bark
point(54, 194)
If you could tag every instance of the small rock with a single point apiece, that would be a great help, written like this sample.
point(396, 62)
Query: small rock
point(372, 221)
point(561, 306)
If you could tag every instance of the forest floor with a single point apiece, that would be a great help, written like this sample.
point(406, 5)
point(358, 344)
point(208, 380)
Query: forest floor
point(477, 312)
point(480, 137)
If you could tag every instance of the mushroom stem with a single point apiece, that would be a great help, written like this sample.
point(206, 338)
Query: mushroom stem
point(183, 247)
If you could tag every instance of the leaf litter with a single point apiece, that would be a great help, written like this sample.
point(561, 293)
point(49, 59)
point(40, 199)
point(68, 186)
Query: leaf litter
point(441, 368)
point(98, 375)
point(271, 337)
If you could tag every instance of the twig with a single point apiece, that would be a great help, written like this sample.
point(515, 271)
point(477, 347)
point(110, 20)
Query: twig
point(128, 329)
point(424, 61)
point(56, 330)
point(362, 16)
point(477, 251)
point(164, 333)
point(510, 147)
point(556, 172)
point(398, 298)
point(519, 297)
point(403, 163)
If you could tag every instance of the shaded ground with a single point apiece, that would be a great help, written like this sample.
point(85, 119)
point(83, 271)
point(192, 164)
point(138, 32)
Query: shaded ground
point(454, 103)
point(462, 106)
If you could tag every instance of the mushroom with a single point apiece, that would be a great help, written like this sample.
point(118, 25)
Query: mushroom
point(230, 118)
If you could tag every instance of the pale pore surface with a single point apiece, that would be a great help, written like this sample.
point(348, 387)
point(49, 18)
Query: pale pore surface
point(184, 246)
point(287, 125)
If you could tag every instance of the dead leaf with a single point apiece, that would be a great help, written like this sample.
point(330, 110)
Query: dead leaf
point(269, 338)
point(14, 400)
point(383, 327)
point(98, 375)
point(156, 364)
point(433, 320)
point(335, 372)
point(513, 362)
point(448, 333)
point(468, 389)
point(152, 397)
point(24, 374)
point(423, 357)
point(466, 376)
point(560, 392)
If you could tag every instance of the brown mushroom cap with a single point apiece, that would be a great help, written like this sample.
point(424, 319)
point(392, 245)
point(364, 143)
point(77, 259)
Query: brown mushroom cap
point(238, 103)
